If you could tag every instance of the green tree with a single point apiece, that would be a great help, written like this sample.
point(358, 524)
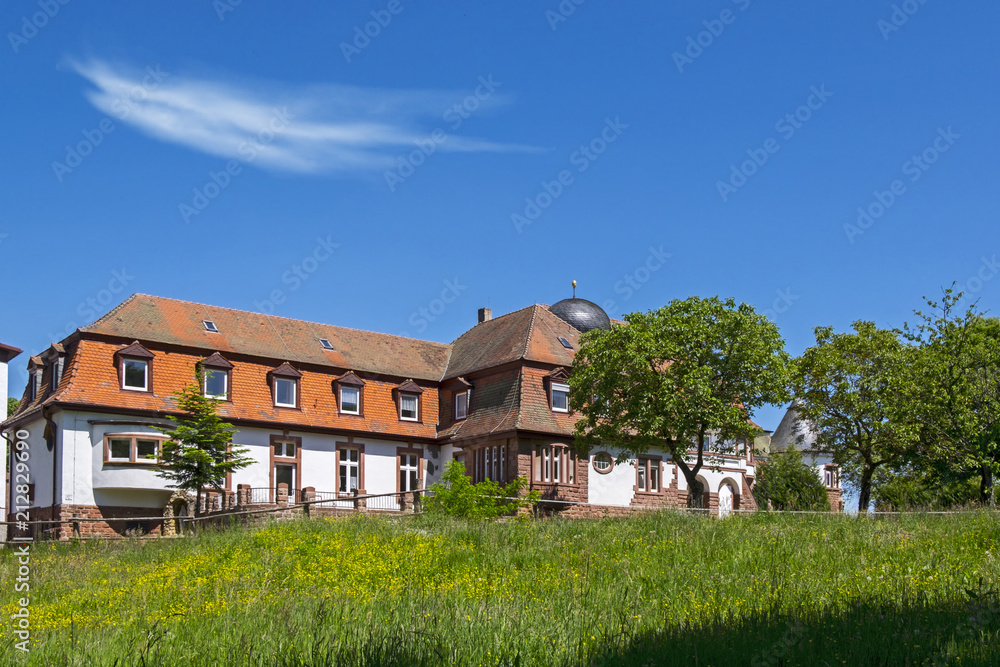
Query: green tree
point(12, 405)
point(455, 495)
point(957, 402)
point(671, 376)
point(199, 451)
point(789, 484)
point(854, 388)
point(925, 484)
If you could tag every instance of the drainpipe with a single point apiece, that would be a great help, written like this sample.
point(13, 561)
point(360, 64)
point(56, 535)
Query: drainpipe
point(47, 416)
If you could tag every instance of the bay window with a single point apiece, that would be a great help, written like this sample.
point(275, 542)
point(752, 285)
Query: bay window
point(555, 464)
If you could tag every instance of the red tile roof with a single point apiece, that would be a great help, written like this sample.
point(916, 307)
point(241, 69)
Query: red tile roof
point(174, 322)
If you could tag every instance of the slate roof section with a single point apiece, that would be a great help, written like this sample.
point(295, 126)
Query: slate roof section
point(174, 322)
point(495, 407)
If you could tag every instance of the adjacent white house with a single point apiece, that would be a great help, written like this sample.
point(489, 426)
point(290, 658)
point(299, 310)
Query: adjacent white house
point(794, 431)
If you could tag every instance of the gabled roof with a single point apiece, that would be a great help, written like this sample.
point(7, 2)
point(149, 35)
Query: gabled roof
point(174, 322)
point(349, 379)
point(410, 387)
point(135, 350)
point(529, 334)
point(286, 370)
point(217, 361)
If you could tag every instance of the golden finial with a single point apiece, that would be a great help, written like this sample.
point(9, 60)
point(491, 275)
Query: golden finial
point(574, 289)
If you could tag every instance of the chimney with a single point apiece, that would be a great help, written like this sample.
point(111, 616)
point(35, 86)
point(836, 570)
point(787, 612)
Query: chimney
point(485, 315)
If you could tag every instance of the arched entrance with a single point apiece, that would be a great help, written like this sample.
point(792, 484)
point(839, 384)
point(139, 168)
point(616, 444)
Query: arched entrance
point(725, 500)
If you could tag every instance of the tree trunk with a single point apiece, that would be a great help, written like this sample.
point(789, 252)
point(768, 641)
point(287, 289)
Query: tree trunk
point(696, 494)
point(986, 496)
point(197, 503)
point(865, 489)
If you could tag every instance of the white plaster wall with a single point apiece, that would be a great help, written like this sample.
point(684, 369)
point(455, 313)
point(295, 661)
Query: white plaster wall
point(258, 473)
point(319, 468)
point(39, 464)
point(435, 459)
point(616, 488)
point(380, 466)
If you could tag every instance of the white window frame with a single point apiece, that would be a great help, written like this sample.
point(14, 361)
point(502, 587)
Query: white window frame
point(345, 468)
point(133, 447)
point(604, 456)
point(406, 467)
point(357, 400)
point(559, 388)
point(462, 401)
point(143, 459)
point(285, 445)
point(225, 392)
point(145, 375)
point(295, 393)
point(416, 407)
point(117, 459)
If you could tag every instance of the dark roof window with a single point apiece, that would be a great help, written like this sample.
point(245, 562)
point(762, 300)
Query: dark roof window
point(327, 345)
point(565, 343)
point(210, 326)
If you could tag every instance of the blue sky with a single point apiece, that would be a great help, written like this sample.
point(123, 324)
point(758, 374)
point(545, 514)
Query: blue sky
point(463, 155)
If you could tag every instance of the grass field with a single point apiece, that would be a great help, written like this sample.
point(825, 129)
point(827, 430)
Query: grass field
point(658, 590)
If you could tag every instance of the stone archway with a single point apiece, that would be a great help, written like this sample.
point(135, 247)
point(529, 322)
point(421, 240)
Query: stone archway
point(181, 504)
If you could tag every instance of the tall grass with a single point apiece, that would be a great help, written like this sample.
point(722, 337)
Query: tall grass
point(662, 589)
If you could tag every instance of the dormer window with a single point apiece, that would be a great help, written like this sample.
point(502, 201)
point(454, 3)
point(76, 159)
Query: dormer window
point(134, 364)
point(350, 400)
point(210, 326)
point(560, 397)
point(409, 401)
point(327, 345)
point(33, 384)
point(350, 394)
point(409, 405)
point(216, 370)
point(216, 383)
point(461, 405)
point(285, 386)
point(135, 374)
point(284, 392)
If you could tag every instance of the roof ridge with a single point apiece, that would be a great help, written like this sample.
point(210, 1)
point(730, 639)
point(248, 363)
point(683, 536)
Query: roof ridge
point(114, 310)
point(531, 329)
point(495, 319)
point(253, 312)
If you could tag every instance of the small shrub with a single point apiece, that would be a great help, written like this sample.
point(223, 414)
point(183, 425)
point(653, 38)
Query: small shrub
point(790, 484)
point(456, 496)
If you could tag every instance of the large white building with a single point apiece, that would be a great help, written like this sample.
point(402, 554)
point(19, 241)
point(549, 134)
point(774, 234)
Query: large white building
point(329, 411)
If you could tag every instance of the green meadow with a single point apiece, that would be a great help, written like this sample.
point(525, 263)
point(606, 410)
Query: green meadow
point(662, 589)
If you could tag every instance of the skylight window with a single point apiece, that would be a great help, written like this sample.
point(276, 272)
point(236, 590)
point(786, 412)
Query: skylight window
point(327, 345)
point(210, 326)
point(565, 343)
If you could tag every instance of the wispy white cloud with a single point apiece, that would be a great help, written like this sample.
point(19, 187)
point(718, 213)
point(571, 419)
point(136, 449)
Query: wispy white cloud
point(331, 127)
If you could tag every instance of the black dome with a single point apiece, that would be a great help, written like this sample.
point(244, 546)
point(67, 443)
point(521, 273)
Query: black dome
point(582, 314)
